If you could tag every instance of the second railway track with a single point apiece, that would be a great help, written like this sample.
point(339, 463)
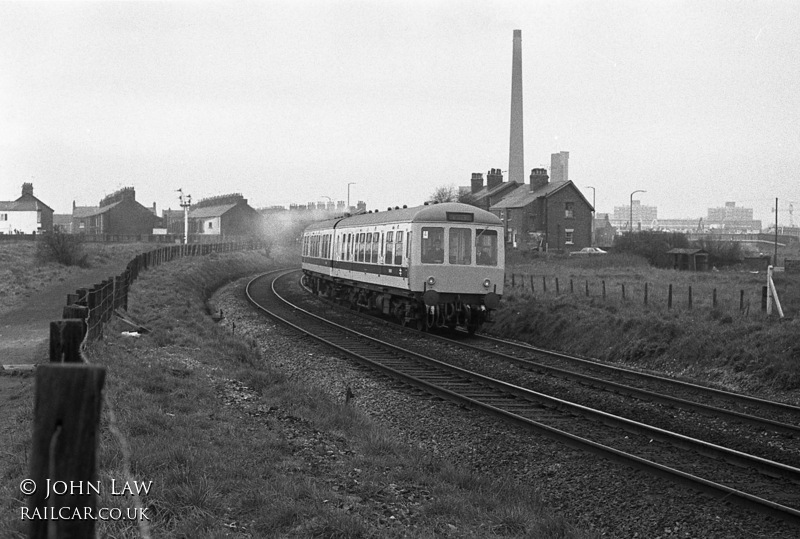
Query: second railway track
point(755, 482)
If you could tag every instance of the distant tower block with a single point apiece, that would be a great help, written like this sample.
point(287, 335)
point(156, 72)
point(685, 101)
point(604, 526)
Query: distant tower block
point(516, 166)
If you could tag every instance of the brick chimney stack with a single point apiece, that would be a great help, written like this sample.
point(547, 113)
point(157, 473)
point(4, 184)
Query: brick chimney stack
point(476, 182)
point(516, 166)
point(539, 178)
point(27, 189)
point(494, 178)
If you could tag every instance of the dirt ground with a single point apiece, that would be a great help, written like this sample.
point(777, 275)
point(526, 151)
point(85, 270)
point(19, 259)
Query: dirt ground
point(25, 334)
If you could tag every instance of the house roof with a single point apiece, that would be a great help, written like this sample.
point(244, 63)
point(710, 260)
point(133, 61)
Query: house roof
point(211, 211)
point(24, 203)
point(522, 195)
point(486, 192)
point(81, 212)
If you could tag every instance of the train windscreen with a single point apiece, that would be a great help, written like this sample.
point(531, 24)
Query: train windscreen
point(460, 246)
point(486, 247)
point(432, 245)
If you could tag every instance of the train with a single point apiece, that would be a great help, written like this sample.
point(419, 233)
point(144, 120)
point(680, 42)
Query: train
point(430, 266)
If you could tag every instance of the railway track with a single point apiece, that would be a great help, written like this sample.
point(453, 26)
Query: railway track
point(754, 482)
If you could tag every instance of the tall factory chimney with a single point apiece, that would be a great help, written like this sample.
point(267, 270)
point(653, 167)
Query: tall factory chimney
point(516, 168)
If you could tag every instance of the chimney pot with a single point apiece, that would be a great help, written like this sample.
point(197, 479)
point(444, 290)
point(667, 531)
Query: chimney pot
point(539, 178)
point(494, 178)
point(476, 184)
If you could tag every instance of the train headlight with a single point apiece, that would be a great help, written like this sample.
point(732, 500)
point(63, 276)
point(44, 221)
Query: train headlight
point(431, 280)
point(487, 283)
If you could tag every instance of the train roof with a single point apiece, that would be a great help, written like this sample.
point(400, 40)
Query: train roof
point(431, 213)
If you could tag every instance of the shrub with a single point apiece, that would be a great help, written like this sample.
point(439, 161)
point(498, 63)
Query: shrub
point(721, 253)
point(651, 245)
point(66, 249)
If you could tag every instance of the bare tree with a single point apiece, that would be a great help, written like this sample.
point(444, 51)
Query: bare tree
point(445, 193)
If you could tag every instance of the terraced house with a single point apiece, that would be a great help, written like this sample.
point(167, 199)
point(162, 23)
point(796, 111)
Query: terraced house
point(118, 214)
point(545, 215)
point(26, 215)
point(224, 215)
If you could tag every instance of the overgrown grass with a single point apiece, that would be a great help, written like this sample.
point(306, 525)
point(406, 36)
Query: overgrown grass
point(234, 448)
point(23, 273)
point(742, 349)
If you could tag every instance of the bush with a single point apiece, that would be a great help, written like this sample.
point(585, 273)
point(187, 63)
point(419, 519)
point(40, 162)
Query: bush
point(651, 245)
point(66, 249)
point(721, 253)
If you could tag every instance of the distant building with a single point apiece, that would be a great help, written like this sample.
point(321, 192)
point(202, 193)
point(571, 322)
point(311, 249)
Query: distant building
point(173, 221)
point(732, 218)
point(644, 217)
point(224, 215)
point(559, 167)
point(545, 215)
point(604, 232)
point(118, 214)
point(26, 215)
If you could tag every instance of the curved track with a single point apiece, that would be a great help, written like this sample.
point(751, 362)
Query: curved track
point(755, 482)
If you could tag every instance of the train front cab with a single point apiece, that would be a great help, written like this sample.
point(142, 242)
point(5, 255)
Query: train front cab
point(458, 270)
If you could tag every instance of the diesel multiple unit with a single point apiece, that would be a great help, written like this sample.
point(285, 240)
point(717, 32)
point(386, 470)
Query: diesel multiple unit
point(438, 265)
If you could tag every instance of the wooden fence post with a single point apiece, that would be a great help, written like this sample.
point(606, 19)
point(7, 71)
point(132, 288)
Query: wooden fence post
point(92, 319)
point(623, 290)
point(532, 290)
point(544, 284)
point(571, 287)
point(557, 291)
point(669, 298)
point(604, 290)
point(741, 300)
point(690, 297)
point(66, 421)
point(66, 337)
point(587, 288)
point(714, 298)
point(645, 293)
point(83, 296)
point(513, 285)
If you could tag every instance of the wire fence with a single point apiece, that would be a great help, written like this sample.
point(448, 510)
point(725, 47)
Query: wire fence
point(748, 299)
point(69, 401)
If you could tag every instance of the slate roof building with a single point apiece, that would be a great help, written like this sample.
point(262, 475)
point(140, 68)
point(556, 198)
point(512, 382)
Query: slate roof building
point(225, 215)
point(118, 214)
point(484, 196)
point(545, 216)
point(26, 215)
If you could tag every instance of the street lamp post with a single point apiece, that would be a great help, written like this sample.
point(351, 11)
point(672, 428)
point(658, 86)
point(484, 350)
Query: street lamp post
point(593, 212)
point(631, 221)
point(348, 194)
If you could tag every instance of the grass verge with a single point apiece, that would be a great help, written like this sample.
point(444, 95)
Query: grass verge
point(739, 350)
point(235, 449)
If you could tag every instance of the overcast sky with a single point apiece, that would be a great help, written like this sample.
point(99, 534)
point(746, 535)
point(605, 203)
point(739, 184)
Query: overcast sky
point(696, 102)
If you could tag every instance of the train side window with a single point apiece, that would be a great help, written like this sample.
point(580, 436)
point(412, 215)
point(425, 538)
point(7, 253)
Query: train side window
point(368, 248)
point(376, 247)
point(361, 247)
point(432, 242)
point(350, 246)
point(486, 248)
point(459, 246)
point(398, 249)
point(388, 253)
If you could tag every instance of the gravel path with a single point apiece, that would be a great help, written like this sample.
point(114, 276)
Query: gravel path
point(596, 494)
